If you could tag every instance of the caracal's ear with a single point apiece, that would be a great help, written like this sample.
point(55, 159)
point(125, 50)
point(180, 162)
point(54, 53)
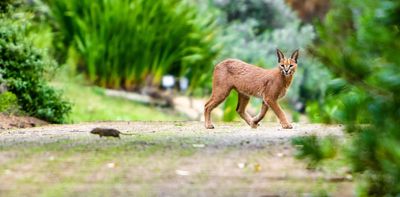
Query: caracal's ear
point(280, 55)
point(295, 55)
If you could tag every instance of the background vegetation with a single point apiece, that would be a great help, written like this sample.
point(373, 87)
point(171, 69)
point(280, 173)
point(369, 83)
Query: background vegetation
point(358, 44)
point(182, 38)
point(92, 104)
point(23, 72)
point(129, 44)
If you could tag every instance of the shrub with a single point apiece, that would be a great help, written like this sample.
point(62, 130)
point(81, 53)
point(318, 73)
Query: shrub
point(358, 42)
point(8, 102)
point(123, 43)
point(314, 150)
point(6, 5)
point(265, 14)
point(23, 71)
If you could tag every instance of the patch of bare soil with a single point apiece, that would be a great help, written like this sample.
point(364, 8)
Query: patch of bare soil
point(12, 121)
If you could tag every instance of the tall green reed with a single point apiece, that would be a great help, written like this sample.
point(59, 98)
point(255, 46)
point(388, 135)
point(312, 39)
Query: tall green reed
point(122, 43)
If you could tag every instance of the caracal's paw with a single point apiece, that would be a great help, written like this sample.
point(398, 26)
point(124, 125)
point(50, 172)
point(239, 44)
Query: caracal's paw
point(254, 125)
point(209, 126)
point(287, 126)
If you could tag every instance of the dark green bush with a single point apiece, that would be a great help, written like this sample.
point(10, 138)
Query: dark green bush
point(23, 71)
point(6, 5)
point(359, 42)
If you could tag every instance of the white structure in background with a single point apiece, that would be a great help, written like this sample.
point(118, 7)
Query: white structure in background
point(183, 84)
point(168, 81)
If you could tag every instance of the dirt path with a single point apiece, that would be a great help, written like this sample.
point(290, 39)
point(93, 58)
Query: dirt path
point(223, 135)
point(163, 159)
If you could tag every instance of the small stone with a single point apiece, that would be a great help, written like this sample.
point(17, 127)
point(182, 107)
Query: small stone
point(241, 165)
point(198, 145)
point(349, 177)
point(111, 165)
point(182, 172)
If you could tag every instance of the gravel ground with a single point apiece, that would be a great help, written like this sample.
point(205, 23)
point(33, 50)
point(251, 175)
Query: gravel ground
point(223, 135)
point(163, 159)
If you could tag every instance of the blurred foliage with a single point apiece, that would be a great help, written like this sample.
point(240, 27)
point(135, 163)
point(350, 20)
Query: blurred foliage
point(325, 109)
point(8, 102)
point(295, 116)
point(254, 29)
point(92, 104)
point(23, 70)
point(229, 107)
point(130, 43)
point(314, 150)
point(265, 14)
point(358, 42)
point(7, 5)
point(309, 10)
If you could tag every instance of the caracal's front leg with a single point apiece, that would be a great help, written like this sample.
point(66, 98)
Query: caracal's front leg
point(260, 116)
point(278, 111)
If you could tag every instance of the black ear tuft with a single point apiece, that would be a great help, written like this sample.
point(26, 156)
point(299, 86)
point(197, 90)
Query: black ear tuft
point(280, 55)
point(295, 55)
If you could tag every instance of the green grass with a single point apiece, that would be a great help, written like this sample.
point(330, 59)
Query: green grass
point(61, 168)
point(63, 176)
point(91, 104)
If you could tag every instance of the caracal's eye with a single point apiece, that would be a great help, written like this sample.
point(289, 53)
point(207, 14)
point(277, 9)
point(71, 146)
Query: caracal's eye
point(282, 65)
point(291, 66)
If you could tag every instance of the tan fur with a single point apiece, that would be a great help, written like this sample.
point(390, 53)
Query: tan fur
point(249, 80)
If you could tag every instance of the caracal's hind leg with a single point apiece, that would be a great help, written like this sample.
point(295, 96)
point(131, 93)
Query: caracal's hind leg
point(241, 109)
point(217, 97)
point(261, 115)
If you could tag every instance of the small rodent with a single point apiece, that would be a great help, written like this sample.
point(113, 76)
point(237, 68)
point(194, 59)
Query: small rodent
point(107, 132)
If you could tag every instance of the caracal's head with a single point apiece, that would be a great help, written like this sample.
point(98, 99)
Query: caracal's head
point(287, 65)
